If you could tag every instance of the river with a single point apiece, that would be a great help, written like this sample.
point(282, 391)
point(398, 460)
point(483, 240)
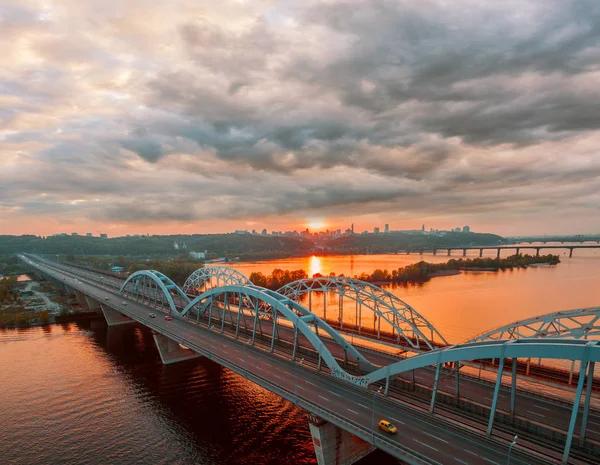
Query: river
point(82, 393)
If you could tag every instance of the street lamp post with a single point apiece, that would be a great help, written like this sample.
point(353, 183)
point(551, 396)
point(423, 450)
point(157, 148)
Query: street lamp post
point(373, 418)
point(296, 387)
point(512, 444)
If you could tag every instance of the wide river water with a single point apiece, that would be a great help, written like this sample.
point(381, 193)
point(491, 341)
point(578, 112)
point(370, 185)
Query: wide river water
point(84, 393)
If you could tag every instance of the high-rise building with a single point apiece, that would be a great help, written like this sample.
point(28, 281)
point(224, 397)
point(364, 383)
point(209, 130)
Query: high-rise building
point(74, 234)
point(466, 229)
point(423, 228)
point(386, 229)
point(104, 236)
point(376, 231)
point(88, 234)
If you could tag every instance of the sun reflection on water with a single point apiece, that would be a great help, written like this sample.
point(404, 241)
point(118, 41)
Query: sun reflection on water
point(314, 266)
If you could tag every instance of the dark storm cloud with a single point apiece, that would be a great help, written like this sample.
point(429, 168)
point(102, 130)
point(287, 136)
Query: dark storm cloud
point(228, 110)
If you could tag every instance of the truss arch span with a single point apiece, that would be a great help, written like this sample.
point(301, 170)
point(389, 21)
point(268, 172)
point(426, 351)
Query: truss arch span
point(155, 288)
point(579, 323)
point(407, 325)
point(213, 276)
point(253, 302)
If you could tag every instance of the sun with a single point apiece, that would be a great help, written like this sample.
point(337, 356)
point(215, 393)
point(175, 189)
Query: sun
point(316, 223)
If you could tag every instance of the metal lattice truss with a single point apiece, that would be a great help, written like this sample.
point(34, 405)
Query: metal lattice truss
point(155, 289)
point(213, 276)
point(261, 312)
point(577, 324)
point(405, 322)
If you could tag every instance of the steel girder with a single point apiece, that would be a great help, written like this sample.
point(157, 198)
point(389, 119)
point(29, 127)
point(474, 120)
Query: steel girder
point(404, 320)
point(261, 301)
point(153, 286)
point(221, 275)
point(577, 324)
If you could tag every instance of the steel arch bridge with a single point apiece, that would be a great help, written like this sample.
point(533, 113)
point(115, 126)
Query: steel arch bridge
point(577, 324)
point(406, 323)
point(213, 276)
point(155, 289)
point(240, 307)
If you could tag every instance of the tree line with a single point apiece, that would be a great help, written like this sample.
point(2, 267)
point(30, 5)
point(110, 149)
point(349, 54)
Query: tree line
point(415, 273)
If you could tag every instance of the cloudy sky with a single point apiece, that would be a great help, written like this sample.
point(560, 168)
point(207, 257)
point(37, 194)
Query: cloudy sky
point(204, 116)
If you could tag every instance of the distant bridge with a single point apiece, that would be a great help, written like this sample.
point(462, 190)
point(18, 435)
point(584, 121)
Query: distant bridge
point(517, 248)
point(279, 344)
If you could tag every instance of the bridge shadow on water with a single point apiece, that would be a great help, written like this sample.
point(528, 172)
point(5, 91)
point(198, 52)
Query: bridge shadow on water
point(210, 414)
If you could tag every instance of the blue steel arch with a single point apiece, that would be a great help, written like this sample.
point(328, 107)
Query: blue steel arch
point(137, 285)
point(404, 320)
point(299, 316)
point(222, 275)
point(577, 324)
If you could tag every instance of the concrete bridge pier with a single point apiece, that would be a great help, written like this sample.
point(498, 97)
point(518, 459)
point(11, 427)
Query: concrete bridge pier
point(114, 318)
point(537, 252)
point(80, 296)
point(449, 251)
point(434, 251)
point(518, 250)
point(170, 351)
point(498, 256)
point(480, 253)
point(464, 252)
point(335, 446)
point(570, 252)
point(92, 304)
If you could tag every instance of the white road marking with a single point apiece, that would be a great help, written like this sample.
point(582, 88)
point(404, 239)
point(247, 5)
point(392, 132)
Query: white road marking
point(225, 352)
point(491, 461)
point(324, 398)
point(426, 445)
point(535, 413)
point(472, 453)
point(543, 408)
point(260, 368)
point(277, 376)
point(593, 423)
point(355, 413)
point(397, 421)
point(240, 359)
point(434, 436)
point(335, 394)
point(310, 383)
point(461, 461)
point(363, 406)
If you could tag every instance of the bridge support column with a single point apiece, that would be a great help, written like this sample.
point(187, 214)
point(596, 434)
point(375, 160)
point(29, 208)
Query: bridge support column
point(457, 367)
point(91, 303)
point(498, 255)
point(586, 404)
point(496, 390)
point(335, 446)
point(513, 388)
point(575, 411)
point(518, 250)
point(480, 253)
point(170, 351)
point(438, 367)
point(570, 252)
point(449, 250)
point(114, 318)
point(80, 298)
point(434, 251)
point(537, 252)
point(464, 252)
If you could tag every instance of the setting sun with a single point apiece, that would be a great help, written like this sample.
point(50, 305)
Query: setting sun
point(316, 223)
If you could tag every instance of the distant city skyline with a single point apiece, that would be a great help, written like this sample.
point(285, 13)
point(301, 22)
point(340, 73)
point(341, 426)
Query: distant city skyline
point(205, 117)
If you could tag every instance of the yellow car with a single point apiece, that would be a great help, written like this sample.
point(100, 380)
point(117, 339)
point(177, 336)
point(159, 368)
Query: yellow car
point(387, 427)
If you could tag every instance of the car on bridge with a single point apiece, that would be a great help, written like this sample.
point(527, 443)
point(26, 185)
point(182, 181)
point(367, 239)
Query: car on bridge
point(387, 427)
point(168, 318)
point(152, 315)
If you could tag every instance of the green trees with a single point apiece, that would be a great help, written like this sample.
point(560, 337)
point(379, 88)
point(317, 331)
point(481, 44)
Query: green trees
point(277, 278)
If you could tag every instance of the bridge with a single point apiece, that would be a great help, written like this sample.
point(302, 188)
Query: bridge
point(444, 411)
point(516, 247)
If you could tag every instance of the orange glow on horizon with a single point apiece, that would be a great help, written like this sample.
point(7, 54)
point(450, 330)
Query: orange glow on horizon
point(316, 223)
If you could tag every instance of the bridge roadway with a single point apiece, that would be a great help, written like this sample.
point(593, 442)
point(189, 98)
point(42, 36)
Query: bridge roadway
point(529, 406)
point(422, 434)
